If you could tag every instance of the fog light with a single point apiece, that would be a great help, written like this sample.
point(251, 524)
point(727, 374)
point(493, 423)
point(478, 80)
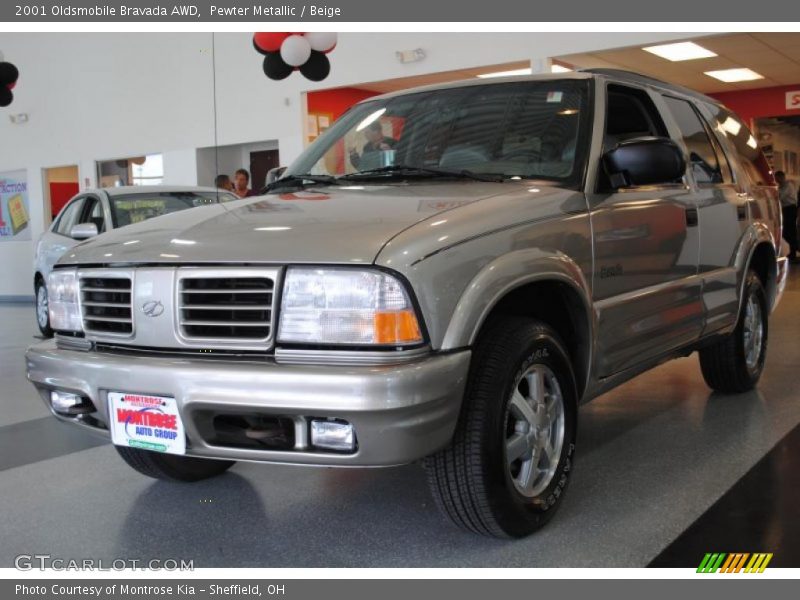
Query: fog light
point(67, 403)
point(333, 435)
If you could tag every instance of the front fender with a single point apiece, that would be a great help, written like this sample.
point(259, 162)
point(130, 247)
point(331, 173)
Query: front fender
point(503, 275)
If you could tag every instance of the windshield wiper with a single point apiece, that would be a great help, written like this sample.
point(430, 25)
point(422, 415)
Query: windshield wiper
point(299, 181)
point(408, 171)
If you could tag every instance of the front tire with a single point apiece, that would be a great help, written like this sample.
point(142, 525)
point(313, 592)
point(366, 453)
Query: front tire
point(171, 467)
point(508, 465)
point(43, 309)
point(734, 363)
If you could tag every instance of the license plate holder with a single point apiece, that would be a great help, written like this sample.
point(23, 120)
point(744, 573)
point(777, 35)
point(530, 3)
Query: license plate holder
point(146, 422)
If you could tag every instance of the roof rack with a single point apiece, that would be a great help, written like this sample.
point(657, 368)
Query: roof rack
point(634, 77)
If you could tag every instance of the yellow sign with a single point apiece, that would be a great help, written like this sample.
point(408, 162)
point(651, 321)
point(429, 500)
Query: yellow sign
point(19, 216)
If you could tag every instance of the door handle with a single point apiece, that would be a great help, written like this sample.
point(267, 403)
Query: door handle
point(691, 217)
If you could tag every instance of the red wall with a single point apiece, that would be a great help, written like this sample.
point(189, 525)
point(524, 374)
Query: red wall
point(60, 193)
point(764, 102)
point(337, 101)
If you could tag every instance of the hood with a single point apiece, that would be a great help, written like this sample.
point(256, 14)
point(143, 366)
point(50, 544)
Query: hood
point(334, 224)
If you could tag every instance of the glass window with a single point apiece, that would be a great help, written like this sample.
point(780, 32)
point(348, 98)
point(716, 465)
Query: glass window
point(526, 129)
point(630, 113)
point(751, 159)
point(68, 217)
point(93, 213)
point(138, 170)
point(702, 158)
point(127, 209)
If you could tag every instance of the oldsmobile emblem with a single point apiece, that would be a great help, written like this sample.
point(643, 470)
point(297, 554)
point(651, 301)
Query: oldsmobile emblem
point(152, 308)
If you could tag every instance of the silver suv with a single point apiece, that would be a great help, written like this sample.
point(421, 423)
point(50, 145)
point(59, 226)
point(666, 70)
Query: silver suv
point(445, 275)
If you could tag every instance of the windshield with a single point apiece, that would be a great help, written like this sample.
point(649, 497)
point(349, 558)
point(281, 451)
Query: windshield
point(135, 208)
point(528, 129)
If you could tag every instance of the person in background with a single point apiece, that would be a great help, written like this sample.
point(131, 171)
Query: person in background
point(241, 181)
point(223, 182)
point(376, 142)
point(788, 197)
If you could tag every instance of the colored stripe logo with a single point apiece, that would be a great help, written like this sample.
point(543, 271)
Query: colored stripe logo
point(737, 562)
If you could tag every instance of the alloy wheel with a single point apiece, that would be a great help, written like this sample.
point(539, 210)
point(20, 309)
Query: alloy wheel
point(535, 425)
point(42, 306)
point(753, 331)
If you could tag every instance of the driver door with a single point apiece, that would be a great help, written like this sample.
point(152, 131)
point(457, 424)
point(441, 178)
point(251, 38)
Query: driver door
point(646, 246)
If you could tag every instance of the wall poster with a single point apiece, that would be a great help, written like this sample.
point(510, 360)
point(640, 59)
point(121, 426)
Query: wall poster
point(14, 214)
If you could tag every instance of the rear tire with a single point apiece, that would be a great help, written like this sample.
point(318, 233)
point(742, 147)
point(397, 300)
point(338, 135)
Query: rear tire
point(734, 363)
point(42, 309)
point(171, 467)
point(508, 465)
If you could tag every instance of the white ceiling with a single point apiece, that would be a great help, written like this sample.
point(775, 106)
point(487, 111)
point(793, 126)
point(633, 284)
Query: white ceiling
point(404, 83)
point(776, 56)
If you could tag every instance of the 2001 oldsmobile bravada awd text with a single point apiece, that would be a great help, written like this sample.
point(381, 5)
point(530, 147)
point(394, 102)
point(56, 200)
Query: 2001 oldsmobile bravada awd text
point(444, 275)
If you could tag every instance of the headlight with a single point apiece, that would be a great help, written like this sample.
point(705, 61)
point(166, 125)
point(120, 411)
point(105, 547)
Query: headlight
point(62, 297)
point(346, 306)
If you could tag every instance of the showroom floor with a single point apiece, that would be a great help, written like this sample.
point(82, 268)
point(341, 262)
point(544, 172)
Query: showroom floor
point(663, 472)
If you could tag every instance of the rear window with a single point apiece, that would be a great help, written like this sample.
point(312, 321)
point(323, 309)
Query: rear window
point(135, 208)
point(751, 158)
point(702, 157)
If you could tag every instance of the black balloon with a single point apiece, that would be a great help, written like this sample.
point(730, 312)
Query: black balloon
point(6, 97)
point(317, 67)
point(275, 68)
point(8, 73)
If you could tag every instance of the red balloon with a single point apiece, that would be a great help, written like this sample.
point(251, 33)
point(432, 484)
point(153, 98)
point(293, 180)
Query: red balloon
point(11, 86)
point(269, 41)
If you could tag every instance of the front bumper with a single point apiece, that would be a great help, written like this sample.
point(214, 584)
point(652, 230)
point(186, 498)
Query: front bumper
point(400, 413)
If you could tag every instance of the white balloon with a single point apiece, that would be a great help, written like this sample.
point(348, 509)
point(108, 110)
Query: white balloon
point(321, 41)
point(295, 50)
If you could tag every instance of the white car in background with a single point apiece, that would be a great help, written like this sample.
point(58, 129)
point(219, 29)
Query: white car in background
point(96, 211)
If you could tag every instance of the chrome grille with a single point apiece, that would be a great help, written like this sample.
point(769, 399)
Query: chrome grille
point(226, 308)
point(106, 305)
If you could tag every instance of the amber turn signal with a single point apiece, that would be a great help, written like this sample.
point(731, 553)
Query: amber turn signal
point(396, 327)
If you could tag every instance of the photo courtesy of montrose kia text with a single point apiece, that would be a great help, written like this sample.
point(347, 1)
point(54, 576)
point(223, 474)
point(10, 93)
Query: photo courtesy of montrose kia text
point(354, 299)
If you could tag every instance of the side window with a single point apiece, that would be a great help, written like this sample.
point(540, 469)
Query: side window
point(702, 157)
point(93, 213)
point(69, 217)
point(630, 113)
point(751, 159)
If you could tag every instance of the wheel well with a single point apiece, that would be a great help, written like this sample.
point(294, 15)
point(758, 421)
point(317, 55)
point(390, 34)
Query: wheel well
point(763, 262)
point(562, 308)
point(37, 278)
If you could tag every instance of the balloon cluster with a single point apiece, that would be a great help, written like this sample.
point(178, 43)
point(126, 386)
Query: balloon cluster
point(8, 79)
point(285, 53)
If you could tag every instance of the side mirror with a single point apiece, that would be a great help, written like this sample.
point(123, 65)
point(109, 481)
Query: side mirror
point(644, 161)
point(274, 174)
point(83, 231)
